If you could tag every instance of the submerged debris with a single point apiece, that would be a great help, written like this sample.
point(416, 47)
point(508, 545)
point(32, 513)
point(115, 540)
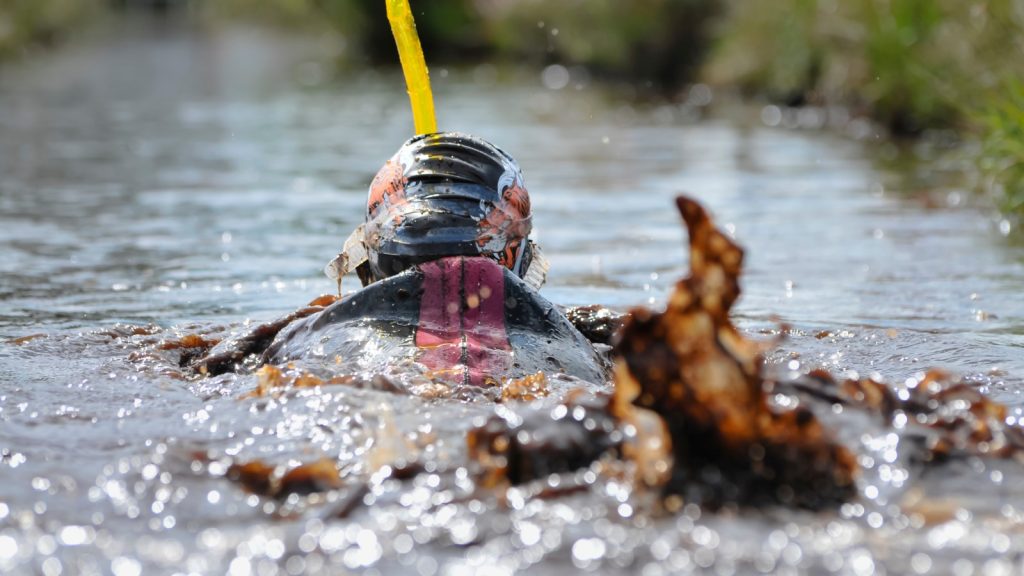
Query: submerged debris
point(188, 341)
point(25, 339)
point(535, 440)
point(273, 381)
point(694, 413)
point(691, 366)
point(227, 355)
point(191, 346)
point(949, 415)
point(597, 323)
point(526, 388)
point(263, 479)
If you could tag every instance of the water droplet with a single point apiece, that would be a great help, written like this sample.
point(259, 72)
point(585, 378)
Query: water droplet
point(122, 566)
point(587, 550)
point(555, 77)
point(8, 547)
point(771, 115)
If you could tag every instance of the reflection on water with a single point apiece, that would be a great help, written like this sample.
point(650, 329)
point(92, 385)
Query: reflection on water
point(193, 179)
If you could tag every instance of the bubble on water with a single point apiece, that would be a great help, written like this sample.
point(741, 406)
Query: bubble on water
point(1001, 543)
point(123, 566)
point(875, 520)
point(699, 95)
point(861, 563)
point(771, 115)
point(52, 567)
point(295, 565)
point(75, 535)
point(8, 547)
point(963, 567)
point(240, 567)
point(587, 550)
point(529, 533)
point(555, 77)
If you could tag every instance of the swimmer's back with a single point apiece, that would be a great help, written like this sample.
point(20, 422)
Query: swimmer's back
point(463, 319)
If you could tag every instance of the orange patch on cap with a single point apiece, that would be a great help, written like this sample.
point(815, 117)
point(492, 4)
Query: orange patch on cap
point(517, 198)
point(387, 188)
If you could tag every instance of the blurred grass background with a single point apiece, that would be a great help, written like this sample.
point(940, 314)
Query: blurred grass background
point(912, 66)
point(25, 23)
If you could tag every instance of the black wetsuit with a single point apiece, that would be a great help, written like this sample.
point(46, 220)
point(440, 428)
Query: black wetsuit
point(461, 319)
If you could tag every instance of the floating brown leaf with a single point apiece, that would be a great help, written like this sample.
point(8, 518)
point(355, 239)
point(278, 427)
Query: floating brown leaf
point(953, 416)
point(188, 341)
point(692, 366)
point(230, 354)
point(526, 389)
point(25, 339)
point(261, 478)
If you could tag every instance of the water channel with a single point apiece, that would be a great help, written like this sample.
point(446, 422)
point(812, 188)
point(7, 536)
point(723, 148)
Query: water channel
point(191, 179)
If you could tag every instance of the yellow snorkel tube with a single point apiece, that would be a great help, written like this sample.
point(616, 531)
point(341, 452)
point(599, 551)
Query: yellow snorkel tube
point(417, 81)
point(414, 66)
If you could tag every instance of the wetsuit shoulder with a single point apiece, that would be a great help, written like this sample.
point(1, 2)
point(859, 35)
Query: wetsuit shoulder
point(394, 299)
point(455, 311)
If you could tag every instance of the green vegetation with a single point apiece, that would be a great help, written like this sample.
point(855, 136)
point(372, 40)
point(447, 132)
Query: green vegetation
point(1002, 155)
point(27, 22)
point(660, 42)
point(911, 65)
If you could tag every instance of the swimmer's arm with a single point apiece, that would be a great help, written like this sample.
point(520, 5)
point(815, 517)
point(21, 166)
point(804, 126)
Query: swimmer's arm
point(227, 357)
point(597, 323)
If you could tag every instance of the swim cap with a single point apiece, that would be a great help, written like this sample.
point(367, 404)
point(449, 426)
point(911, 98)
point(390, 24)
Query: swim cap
point(447, 194)
point(444, 194)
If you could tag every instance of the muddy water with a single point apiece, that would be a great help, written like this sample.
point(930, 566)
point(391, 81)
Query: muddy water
point(159, 180)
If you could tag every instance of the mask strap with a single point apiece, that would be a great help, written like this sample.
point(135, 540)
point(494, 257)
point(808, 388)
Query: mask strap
point(537, 273)
point(518, 266)
point(354, 254)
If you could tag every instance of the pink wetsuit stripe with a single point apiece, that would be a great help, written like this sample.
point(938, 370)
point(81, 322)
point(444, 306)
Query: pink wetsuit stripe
point(431, 330)
point(439, 332)
point(486, 338)
point(457, 338)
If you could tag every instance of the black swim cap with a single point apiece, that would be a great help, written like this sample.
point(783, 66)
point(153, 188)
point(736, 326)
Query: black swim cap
point(447, 194)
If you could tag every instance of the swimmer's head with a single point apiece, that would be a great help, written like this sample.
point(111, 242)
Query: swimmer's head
point(447, 194)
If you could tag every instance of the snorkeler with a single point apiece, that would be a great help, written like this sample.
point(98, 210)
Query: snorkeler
point(450, 282)
point(450, 295)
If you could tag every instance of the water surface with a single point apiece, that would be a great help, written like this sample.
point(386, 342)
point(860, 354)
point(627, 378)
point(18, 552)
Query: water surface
point(192, 179)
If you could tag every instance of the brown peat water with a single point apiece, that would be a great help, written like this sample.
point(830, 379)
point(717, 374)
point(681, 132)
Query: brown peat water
point(171, 180)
